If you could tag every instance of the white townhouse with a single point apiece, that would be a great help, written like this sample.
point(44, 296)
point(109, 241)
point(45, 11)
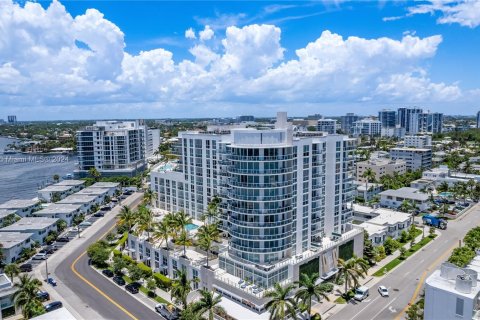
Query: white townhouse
point(22, 207)
point(86, 201)
point(13, 244)
point(394, 198)
point(38, 227)
point(66, 212)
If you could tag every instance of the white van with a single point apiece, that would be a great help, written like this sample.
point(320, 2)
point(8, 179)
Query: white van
point(361, 293)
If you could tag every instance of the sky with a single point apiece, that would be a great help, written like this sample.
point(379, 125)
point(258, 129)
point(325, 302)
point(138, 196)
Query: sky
point(176, 59)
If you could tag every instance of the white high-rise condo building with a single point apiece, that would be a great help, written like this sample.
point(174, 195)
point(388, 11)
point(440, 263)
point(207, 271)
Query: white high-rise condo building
point(112, 147)
point(415, 121)
point(367, 127)
point(346, 122)
point(286, 201)
point(327, 125)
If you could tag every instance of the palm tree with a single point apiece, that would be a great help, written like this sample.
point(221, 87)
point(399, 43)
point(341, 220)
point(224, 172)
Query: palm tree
point(360, 264)
point(149, 196)
point(443, 187)
point(94, 173)
point(213, 212)
point(181, 287)
point(184, 240)
point(12, 270)
point(206, 234)
point(26, 296)
point(281, 303)
point(309, 289)
point(207, 303)
point(182, 219)
point(56, 177)
point(127, 216)
point(368, 175)
point(144, 221)
point(349, 272)
point(406, 206)
point(162, 231)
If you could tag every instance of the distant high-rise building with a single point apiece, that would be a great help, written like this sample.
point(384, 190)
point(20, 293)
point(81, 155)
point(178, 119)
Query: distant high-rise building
point(367, 127)
point(316, 116)
point(387, 118)
point(478, 119)
point(245, 118)
point(327, 125)
point(407, 118)
point(346, 122)
point(12, 119)
point(432, 122)
point(112, 147)
point(415, 121)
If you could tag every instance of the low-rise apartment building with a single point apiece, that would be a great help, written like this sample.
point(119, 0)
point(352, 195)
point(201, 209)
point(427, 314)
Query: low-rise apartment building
point(7, 290)
point(420, 141)
point(394, 198)
point(113, 187)
point(61, 190)
point(22, 207)
point(370, 192)
point(381, 167)
point(6, 214)
point(37, 227)
point(66, 212)
point(86, 201)
point(415, 158)
point(101, 194)
point(13, 243)
point(453, 292)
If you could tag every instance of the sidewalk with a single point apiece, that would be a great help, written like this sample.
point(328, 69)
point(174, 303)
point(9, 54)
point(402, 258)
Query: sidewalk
point(328, 308)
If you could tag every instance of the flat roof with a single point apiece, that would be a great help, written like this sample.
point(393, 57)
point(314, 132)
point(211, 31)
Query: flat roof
point(93, 191)
point(6, 212)
point(105, 185)
point(78, 198)
point(411, 149)
point(373, 229)
point(70, 183)
point(59, 314)
point(58, 208)
point(11, 239)
point(55, 188)
point(30, 223)
point(406, 192)
point(19, 204)
point(386, 217)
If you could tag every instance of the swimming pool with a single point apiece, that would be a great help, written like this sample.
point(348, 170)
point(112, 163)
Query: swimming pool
point(166, 167)
point(191, 226)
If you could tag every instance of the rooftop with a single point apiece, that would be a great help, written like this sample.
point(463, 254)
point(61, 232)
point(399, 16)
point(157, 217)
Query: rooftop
point(386, 217)
point(411, 149)
point(58, 208)
point(406, 192)
point(19, 204)
point(78, 198)
point(105, 185)
point(372, 229)
point(93, 191)
point(11, 239)
point(55, 188)
point(70, 183)
point(6, 212)
point(30, 223)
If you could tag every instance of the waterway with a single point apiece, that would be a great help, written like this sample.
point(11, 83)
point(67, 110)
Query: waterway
point(21, 175)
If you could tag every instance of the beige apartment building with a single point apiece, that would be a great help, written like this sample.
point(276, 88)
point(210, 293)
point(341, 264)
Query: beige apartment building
point(381, 167)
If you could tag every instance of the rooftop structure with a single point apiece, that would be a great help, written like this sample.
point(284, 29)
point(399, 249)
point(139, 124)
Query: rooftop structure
point(30, 223)
point(11, 239)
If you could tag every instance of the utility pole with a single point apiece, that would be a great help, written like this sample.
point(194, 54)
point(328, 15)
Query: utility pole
point(46, 268)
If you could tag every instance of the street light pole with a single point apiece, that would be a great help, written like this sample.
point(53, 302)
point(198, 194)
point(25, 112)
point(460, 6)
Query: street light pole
point(46, 268)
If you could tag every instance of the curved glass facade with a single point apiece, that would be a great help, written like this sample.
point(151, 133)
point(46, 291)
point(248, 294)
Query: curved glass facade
point(261, 195)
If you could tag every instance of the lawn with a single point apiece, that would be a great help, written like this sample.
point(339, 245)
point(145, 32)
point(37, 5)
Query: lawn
point(145, 291)
point(395, 262)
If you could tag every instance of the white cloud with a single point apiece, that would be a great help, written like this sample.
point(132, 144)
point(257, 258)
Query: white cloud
point(50, 59)
point(206, 34)
point(464, 12)
point(190, 34)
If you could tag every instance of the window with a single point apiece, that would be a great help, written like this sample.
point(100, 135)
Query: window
point(459, 307)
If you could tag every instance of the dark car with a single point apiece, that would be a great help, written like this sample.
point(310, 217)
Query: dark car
point(51, 248)
point(47, 251)
point(108, 273)
point(119, 280)
point(63, 239)
point(53, 306)
point(133, 287)
point(105, 208)
point(27, 267)
point(43, 295)
point(99, 214)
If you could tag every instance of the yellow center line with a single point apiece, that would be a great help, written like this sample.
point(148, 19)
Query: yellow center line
point(72, 267)
point(422, 279)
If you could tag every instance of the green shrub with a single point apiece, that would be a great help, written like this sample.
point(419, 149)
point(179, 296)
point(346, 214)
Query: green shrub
point(327, 287)
point(128, 259)
point(116, 253)
point(461, 256)
point(162, 281)
point(145, 269)
point(123, 239)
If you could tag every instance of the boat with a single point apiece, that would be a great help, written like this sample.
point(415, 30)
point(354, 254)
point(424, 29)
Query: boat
point(9, 151)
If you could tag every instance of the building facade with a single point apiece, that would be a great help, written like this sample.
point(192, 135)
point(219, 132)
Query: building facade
point(346, 122)
point(367, 127)
point(421, 141)
point(387, 118)
point(112, 147)
point(415, 159)
point(285, 196)
point(327, 125)
point(381, 167)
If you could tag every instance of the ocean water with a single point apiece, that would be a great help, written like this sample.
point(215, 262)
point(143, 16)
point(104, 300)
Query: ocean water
point(21, 175)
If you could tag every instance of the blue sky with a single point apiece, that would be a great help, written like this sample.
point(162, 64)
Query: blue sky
point(258, 57)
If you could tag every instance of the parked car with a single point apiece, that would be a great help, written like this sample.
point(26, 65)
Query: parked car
point(85, 224)
point(118, 280)
point(133, 287)
point(40, 256)
point(63, 239)
point(52, 281)
point(51, 248)
point(99, 214)
point(53, 306)
point(169, 312)
point(105, 208)
point(108, 273)
point(26, 267)
point(46, 251)
point(43, 295)
point(383, 291)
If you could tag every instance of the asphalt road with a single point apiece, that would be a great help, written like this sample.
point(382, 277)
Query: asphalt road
point(403, 282)
point(112, 302)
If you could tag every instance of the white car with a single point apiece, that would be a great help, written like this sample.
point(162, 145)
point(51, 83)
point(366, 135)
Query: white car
point(40, 256)
point(383, 291)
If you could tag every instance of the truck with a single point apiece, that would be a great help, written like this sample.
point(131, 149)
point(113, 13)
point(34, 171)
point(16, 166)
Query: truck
point(434, 221)
point(361, 293)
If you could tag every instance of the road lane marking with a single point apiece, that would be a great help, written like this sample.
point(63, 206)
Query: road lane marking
point(422, 279)
point(72, 267)
point(384, 308)
point(365, 307)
